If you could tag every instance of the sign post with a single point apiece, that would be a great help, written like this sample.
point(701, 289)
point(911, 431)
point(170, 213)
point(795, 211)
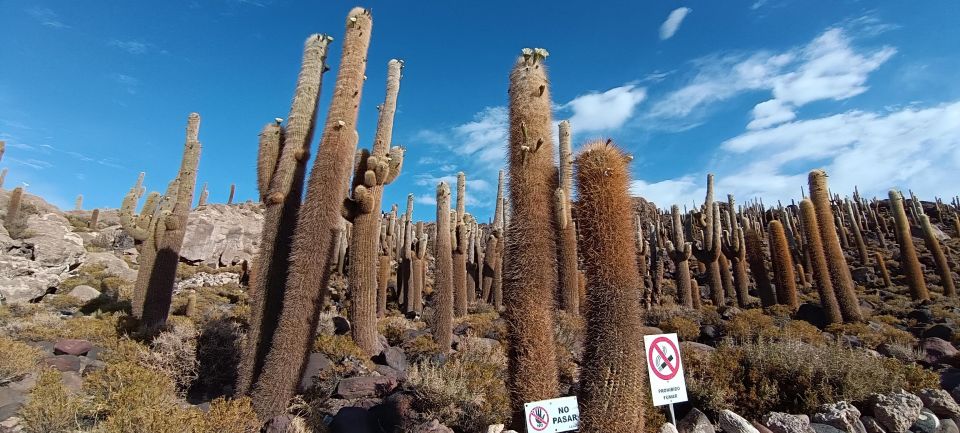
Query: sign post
point(552, 416)
point(665, 368)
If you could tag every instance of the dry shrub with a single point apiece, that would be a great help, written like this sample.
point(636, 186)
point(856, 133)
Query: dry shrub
point(483, 324)
point(421, 348)
point(128, 397)
point(393, 327)
point(755, 378)
point(101, 329)
point(467, 392)
point(50, 408)
point(338, 347)
point(174, 353)
point(685, 328)
point(16, 359)
point(218, 354)
point(874, 334)
point(750, 325)
point(228, 416)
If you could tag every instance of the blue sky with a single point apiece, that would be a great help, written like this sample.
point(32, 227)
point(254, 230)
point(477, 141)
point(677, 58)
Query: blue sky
point(757, 92)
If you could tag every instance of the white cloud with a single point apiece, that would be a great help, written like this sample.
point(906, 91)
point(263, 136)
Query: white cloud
point(132, 47)
point(426, 199)
point(912, 148)
point(673, 21)
point(127, 82)
point(47, 17)
point(484, 138)
point(605, 111)
point(828, 67)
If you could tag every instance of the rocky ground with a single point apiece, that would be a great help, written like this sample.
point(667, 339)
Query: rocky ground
point(69, 361)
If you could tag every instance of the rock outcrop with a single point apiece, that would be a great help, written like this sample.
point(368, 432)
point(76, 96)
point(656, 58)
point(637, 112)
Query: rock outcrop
point(221, 235)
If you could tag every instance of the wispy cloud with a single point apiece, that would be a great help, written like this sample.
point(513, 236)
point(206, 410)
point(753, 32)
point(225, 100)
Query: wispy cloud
point(132, 47)
point(828, 67)
point(127, 82)
point(36, 164)
point(47, 17)
point(673, 21)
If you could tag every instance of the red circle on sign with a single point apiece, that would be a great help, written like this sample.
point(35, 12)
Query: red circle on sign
point(538, 416)
point(672, 369)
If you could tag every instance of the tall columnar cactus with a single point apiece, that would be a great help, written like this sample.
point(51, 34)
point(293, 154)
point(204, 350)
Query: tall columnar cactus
point(3, 148)
point(3, 177)
point(233, 190)
point(908, 254)
point(882, 269)
point(756, 258)
point(734, 249)
point(418, 270)
point(442, 328)
point(530, 259)
point(281, 168)
point(204, 194)
point(612, 381)
point(782, 266)
point(839, 271)
point(405, 253)
point(857, 235)
point(493, 248)
point(158, 278)
point(375, 170)
point(707, 249)
point(567, 232)
point(386, 246)
point(933, 245)
point(818, 262)
point(94, 219)
point(680, 251)
point(643, 251)
point(13, 207)
point(459, 243)
point(658, 256)
point(78, 204)
point(315, 234)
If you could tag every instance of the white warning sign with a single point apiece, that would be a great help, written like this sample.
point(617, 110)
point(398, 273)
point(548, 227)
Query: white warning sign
point(665, 368)
point(554, 415)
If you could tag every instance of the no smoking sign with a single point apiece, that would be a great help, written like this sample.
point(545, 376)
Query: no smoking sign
point(665, 368)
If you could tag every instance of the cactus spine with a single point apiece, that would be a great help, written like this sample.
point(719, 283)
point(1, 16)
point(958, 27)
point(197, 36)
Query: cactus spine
point(818, 262)
point(680, 251)
point(933, 245)
point(313, 240)
point(908, 255)
point(782, 266)
point(156, 281)
point(837, 263)
point(612, 380)
point(567, 264)
point(281, 168)
point(375, 170)
point(530, 265)
point(443, 273)
point(459, 243)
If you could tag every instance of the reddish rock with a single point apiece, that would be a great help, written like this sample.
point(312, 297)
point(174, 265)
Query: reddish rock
point(366, 386)
point(63, 362)
point(72, 347)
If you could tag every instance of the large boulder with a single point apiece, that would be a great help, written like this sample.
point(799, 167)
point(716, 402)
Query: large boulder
point(779, 422)
point(112, 265)
point(30, 267)
point(940, 402)
point(54, 244)
point(842, 415)
point(695, 422)
point(730, 422)
point(896, 411)
point(221, 235)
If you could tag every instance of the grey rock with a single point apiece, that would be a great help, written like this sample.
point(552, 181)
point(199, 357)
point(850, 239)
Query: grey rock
point(730, 422)
point(204, 279)
point(112, 265)
point(896, 411)
point(10, 401)
point(433, 426)
point(84, 293)
point(221, 235)
point(365, 386)
point(395, 358)
point(54, 243)
point(842, 415)
point(779, 422)
point(948, 426)
point(939, 402)
point(668, 428)
point(824, 428)
point(695, 422)
point(926, 423)
point(316, 364)
point(871, 425)
point(936, 350)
